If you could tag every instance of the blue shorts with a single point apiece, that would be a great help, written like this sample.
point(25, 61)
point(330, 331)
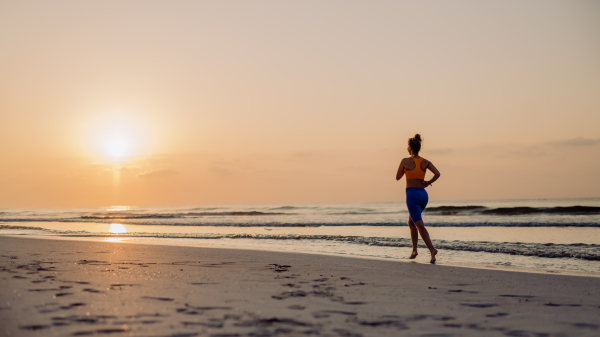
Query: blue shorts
point(416, 200)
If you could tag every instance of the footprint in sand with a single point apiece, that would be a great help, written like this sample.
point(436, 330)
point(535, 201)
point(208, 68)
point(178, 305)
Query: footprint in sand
point(215, 324)
point(165, 299)
point(34, 327)
point(99, 331)
point(479, 305)
point(92, 319)
point(355, 284)
point(278, 268)
point(203, 283)
point(190, 310)
point(386, 323)
point(138, 316)
point(550, 304)
point(347, 313)
point(53, 307)
point(462, 291)
point(120, 286)
point(586, 325)
point(518, 296)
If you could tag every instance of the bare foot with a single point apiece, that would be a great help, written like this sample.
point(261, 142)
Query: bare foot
point(433, 254)
point(413, 254)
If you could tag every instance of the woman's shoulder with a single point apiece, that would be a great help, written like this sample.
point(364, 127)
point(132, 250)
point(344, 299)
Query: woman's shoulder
point(413, 159)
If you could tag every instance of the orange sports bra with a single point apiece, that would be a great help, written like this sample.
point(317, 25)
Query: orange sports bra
point(416, 173)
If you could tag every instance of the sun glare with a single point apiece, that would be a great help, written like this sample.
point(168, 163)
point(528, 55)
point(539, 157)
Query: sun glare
point(116, 228)
point(116, 239)
point(117, 208)
point(116, 136)
point(118, 147)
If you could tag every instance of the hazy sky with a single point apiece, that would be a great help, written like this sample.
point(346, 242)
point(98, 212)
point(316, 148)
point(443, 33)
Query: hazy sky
point(195, 102)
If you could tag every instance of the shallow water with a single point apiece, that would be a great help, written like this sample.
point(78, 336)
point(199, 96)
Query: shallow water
point(560, 234)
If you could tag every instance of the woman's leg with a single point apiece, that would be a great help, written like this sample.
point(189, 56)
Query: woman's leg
point(414, 201)
point(425, 236)
point(414, 236)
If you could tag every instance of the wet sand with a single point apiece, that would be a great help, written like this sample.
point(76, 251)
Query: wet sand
point(80, 288)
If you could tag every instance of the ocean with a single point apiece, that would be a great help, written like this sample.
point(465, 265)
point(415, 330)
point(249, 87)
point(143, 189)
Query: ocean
point(545, 235)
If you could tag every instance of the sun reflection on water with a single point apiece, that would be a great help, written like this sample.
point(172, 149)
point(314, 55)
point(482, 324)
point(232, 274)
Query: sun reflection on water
point(117, 208)
point(116, 239)
point(116, 228)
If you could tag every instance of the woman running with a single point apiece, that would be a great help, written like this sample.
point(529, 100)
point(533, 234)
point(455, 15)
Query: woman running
point(416, 197)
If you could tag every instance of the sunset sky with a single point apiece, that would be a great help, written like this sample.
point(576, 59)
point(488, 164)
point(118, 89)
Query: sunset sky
point(210, 102)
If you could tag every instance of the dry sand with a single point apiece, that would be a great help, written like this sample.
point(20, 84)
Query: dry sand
point(80, 288)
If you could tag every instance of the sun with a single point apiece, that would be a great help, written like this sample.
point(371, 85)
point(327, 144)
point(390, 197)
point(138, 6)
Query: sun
point(118, 147)
point(118, 136)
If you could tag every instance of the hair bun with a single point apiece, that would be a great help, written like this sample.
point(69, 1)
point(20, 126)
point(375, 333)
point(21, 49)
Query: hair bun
point(415, 143)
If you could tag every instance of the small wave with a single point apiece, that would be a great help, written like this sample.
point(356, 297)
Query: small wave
point(122, 215)
point(21, 227)
point(470, 210)
point(206, 221)
point(203, 208)
point(573, 210)
point(544, 250)
point(358, 212)
point(454, 210)
point(286, 208)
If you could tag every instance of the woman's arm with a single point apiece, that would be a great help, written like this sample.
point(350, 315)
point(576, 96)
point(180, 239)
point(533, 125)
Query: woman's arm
point(400, 172)
point(436, 173)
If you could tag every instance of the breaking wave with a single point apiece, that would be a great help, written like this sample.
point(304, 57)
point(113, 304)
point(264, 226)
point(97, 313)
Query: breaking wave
point(479, 214)
point(174, 221)
point(466, 210)
point(544, 250)
point(124, 215)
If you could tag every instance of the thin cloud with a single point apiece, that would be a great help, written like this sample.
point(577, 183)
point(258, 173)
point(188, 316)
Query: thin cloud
point(528, 152)
point(580, 141)
point(157, 174)
point(128, 169)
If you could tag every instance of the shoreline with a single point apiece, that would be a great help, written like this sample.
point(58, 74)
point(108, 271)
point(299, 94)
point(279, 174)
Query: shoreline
point(423, 260)
point(76, 288)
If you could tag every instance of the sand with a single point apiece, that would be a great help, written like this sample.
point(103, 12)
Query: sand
point(80, 288)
